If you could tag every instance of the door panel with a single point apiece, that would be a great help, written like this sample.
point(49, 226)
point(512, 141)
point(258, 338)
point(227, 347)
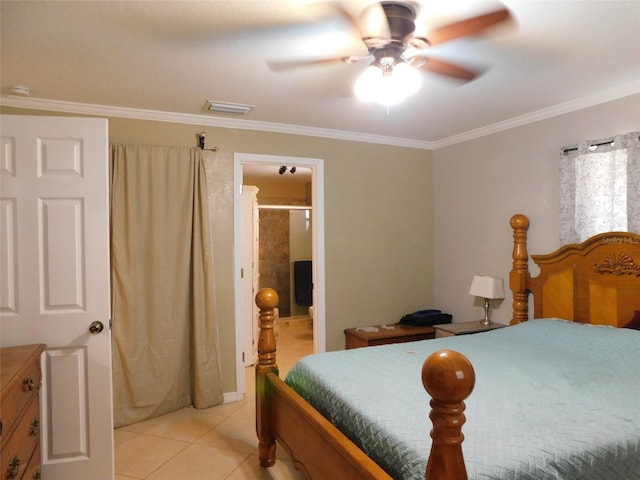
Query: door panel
point(67, 413)
point(61, 226)
point(55, 281)
point(8, 258)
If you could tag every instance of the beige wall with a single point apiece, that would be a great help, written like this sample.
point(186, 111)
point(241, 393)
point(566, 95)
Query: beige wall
point(277, 192)
point(398, 218)
point(378, 222)
point(481, 183)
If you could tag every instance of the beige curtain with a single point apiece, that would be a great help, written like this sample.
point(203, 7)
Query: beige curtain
point(165, 338)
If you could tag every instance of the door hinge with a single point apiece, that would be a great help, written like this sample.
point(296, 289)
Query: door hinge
point(242, 357)
point(242, 273)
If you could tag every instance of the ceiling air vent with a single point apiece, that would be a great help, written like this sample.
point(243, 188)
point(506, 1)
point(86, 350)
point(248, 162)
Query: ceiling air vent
point(224, 107)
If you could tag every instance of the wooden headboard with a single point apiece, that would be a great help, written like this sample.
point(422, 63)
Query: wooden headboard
point(597, 281)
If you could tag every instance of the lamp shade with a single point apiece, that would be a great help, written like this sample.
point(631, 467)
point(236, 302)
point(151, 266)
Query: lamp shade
point(487, 287)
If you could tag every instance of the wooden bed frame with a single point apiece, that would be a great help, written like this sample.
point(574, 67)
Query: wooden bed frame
point(596, 282)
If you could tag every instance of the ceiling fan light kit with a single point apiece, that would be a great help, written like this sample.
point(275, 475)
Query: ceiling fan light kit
point(388, 30)
point(387, 83)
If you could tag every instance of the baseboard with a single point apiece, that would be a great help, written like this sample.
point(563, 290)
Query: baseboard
point(231, 397)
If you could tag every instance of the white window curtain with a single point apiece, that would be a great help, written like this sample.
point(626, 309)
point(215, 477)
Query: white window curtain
point(600, 188)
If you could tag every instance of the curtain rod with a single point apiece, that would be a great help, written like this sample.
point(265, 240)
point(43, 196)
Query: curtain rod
point(573, 149)
point(201, 137)
point(609, 142)
point(286, 207)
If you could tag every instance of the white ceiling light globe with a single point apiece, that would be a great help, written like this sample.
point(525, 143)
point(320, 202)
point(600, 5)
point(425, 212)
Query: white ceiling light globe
point(367, 85)
point(390, 87)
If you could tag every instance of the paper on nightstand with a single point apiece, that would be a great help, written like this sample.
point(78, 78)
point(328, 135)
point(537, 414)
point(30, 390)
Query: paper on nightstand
point(387, 327)
point(368, 329)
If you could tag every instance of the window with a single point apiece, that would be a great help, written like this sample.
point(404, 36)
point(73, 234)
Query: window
point(600, 188)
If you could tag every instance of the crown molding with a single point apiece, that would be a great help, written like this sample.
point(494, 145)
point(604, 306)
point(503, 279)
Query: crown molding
point(206, 120)
point(543, 114)
point(222, 122)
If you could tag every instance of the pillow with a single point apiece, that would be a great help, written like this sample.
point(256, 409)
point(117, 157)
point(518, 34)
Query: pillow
point(635, 321)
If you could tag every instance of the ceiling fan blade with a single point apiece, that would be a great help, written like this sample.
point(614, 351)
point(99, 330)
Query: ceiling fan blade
point(370, 21)
point(278, 66)
point(470, 26)
point(441, 67)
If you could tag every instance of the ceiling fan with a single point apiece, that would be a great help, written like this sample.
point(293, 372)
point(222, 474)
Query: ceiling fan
point(395, 48)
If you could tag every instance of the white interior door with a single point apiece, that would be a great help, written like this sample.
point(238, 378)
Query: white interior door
point(249, 272)
point(55, 281)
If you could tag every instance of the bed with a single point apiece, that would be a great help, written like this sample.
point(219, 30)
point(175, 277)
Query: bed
point(571, 417)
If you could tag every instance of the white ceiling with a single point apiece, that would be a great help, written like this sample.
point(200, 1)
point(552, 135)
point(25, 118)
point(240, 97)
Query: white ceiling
point(165, 59)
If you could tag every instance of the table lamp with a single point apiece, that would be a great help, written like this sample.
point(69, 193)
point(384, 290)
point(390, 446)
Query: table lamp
point(487, 288)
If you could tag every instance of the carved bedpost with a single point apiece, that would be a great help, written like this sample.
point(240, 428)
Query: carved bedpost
point(519, 275)
point(449, 378)
point(266, 300)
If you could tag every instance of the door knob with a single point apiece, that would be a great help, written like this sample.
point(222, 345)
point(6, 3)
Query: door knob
point(96, 327)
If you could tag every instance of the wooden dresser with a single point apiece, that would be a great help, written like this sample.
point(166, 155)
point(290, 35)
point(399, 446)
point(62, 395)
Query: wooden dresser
point(20, 380)
point(385, 334)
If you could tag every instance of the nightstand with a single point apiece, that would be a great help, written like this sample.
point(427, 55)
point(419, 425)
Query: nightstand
point(385, 334)
point(464, 328)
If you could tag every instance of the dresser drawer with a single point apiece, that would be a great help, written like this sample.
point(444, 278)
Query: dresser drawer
point(17, 398)
point(32, 472)
point(20, 379)
point(19, 448)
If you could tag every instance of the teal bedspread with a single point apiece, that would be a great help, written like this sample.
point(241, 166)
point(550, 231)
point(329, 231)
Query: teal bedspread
point(553, 400)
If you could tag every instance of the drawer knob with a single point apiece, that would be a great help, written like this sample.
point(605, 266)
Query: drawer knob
point(36, 475)
point(14, 468)
point(29, 384)
point(34, 428)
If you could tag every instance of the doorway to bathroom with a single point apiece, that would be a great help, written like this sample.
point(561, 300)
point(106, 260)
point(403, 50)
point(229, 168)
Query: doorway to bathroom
point(279, 238)
point(284, 234)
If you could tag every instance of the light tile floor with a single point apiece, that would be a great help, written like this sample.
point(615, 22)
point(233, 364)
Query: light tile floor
point(218, 443)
